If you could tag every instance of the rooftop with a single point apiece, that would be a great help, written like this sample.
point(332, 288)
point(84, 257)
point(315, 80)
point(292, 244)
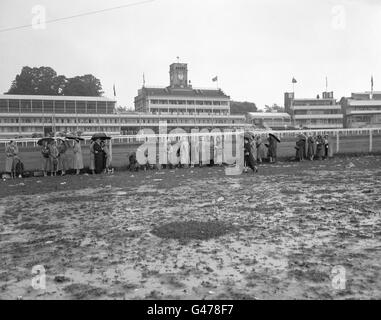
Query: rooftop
point(63, 98)
point(181, 92)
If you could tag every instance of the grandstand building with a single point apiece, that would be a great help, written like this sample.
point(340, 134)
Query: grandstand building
point(318, 113)
point(190, 106)
point(362, 110)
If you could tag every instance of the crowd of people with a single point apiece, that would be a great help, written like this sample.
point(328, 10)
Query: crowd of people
point(60, 154)
point(312, 147)
point(255, 150)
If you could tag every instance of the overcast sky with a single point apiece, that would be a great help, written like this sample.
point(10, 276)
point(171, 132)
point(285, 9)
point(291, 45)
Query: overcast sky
point(255, 47)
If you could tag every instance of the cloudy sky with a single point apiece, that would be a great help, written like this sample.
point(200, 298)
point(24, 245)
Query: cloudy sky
point(255, 47)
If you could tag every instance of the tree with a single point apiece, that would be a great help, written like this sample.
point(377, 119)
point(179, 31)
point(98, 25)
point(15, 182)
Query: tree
point(237, 107)
point(274, 108)
point(121, 109)
point(37, 81)
point(45, 81)
point(86, 85)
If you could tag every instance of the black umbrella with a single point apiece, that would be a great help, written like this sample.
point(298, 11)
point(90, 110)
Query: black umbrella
point(74, 138)
point(302, 137)
point(47, 139)
point(101, 136)
point(274, 136)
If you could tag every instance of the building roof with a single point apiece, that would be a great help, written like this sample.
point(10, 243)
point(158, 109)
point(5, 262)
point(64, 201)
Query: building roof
point(314, 99)
point(367, 92)
point(354, 102)
point(268, 114)
point(184, 92)
point(63, 98)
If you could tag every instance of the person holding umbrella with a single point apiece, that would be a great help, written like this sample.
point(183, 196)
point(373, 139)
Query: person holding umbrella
point(107, 157)
point(62, 156)
point(99, 152)
point(99, 156)
point(273, 144)
point(320, 147)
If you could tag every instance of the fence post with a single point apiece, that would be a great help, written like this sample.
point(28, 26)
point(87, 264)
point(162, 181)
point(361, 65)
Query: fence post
point(370, 140)
point(337, 142)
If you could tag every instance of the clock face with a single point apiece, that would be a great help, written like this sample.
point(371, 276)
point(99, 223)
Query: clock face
point(181, 76)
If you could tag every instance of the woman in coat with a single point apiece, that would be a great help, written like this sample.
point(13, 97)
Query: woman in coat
point(310, 147)
point(11, 152)
point(320, 147)
point(45, 152)
point(272, 153)
point(300, 149)
point(326, 147)
point(300, 144)
point(248, 154)
point(92, 159)
point(99, 156)
point(78, 159)
point(261, 149)
point(62, 157)
point(53, 158)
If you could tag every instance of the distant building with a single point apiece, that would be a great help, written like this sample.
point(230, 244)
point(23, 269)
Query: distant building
point(26, 115)
point(362, 110)
point(318, 113)
point(269, 120)
point(187, 106)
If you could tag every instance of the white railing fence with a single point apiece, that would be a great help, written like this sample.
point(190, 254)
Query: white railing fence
point(335, 135)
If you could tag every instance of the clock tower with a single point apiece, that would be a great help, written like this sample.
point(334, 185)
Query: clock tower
point(178, 74)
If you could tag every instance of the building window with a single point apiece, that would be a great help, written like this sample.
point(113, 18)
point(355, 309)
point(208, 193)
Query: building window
point(70, 107)
point(91, 107)
point(81, 107)
point(14, 106)
point(59, 106)
point(25, 106)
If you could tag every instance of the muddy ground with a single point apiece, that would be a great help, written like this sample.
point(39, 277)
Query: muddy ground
point(291, 226)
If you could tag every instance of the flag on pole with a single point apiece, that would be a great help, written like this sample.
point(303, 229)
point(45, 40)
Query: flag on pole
point(294, 80)
point(114, 90)
point(371, 80)
point(215, 79)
